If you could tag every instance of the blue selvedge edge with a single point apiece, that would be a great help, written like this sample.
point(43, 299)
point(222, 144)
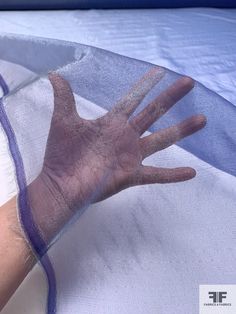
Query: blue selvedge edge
point(4, 86)
point(25, 215)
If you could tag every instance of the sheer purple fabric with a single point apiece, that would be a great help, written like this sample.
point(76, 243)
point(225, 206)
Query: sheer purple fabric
point(32, 119)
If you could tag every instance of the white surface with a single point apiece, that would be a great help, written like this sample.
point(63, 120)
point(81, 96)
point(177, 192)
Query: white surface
point(187, 231)
point(144, 249)
point(199, 42)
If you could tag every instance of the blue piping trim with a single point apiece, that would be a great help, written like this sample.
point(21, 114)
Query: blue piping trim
point(4, 86)
point(31, 230)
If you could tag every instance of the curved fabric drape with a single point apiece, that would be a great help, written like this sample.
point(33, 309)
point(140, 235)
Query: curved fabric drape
point(99, 79)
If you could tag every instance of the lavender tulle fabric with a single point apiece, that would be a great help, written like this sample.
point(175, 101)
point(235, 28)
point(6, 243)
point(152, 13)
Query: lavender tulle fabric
point(102, 78)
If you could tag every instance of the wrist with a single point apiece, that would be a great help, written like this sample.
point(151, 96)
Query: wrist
point(50, 211)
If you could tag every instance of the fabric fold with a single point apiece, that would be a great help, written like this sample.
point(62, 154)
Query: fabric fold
point(99, 77)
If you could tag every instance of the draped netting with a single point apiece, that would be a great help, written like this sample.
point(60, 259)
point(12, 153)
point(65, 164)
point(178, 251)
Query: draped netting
point(99, 80)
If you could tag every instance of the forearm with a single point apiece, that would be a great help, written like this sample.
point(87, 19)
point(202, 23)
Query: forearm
point(50, 213)
point(16, 257)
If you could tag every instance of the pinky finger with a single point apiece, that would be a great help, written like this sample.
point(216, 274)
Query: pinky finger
point(150, 175)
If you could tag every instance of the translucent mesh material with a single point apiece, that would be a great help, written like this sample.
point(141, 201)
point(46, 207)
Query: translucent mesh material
point(93, 245)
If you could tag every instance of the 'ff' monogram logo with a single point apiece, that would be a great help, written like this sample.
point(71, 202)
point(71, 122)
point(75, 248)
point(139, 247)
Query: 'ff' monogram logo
point(217, 296)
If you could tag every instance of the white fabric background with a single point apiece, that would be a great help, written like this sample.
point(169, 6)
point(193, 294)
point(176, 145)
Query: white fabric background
point(171, 238)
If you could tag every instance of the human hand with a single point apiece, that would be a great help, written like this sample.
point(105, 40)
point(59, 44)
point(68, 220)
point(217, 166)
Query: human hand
point(89, 160)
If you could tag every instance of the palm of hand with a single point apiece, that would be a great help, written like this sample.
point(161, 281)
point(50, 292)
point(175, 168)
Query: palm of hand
point(90, 160)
